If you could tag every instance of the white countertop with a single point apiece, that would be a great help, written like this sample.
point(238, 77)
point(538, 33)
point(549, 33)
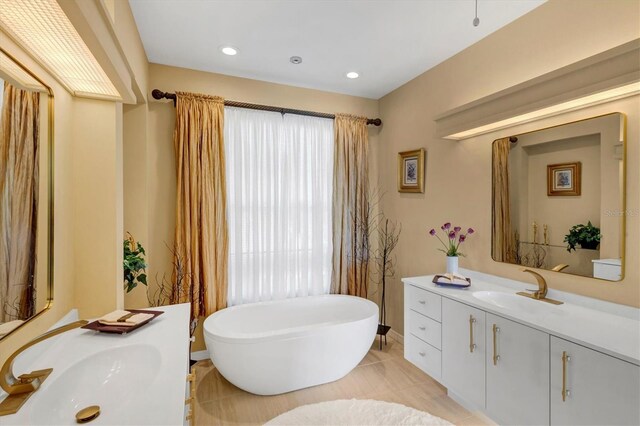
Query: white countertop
point(605, 327)
point(160, 403)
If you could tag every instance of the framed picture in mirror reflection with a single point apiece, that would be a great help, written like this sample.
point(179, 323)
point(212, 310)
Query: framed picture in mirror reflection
point(564, 179)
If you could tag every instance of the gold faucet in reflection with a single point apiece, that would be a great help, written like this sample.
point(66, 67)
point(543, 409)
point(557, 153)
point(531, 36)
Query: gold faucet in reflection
point(22, 387)
point(541, 293)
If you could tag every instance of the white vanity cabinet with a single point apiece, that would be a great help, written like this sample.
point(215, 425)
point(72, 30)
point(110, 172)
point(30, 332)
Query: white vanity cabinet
point(508, 362)
point(591, 388)
point(463, 351)
point(517, 373)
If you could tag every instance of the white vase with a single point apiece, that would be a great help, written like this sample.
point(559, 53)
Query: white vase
point(452, 264)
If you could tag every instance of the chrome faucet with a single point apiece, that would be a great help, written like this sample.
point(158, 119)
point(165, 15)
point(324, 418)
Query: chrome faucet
point(22, 387)
point(541, 293)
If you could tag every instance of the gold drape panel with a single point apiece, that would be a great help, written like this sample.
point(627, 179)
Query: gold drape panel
point(19, 192)
point(201, 228)
point(502, 238)
point(350, 272)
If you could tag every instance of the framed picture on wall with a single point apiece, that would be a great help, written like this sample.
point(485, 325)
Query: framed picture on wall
point(411, 171)
point(564, 179)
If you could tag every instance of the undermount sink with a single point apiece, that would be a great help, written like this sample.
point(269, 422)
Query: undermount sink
point(514, 302)
point(112, 379)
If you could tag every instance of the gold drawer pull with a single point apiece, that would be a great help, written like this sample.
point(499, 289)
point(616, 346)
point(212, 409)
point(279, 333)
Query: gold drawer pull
point(496, 357)
point(565, 392)
point(422, 353)
point(422, 327)
point(472, 345)
point(422, 302)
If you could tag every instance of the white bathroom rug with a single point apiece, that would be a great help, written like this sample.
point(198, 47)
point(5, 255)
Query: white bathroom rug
point(355, 412)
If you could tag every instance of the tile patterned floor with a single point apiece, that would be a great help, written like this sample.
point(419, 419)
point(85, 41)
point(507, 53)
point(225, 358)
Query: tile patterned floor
point(382, 375)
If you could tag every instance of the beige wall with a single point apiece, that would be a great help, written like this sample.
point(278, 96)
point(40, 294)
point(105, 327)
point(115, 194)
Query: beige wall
point(125, 30)
point(97, 174)
point(135, 189)
point(458, 174)
point(160, 177)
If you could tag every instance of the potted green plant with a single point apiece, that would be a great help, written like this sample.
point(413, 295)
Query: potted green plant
point(134, 264)
point(587, 236)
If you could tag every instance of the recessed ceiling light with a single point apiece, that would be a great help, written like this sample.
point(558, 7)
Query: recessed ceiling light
point(353, 74)
point(228, 50)
point(295, 60)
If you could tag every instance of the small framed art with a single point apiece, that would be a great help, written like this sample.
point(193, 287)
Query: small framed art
point(564, 179)
point(411, 171)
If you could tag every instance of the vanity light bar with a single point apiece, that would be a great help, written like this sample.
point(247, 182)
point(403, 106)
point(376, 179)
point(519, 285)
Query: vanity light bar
point(44, 30)
point(597, 98)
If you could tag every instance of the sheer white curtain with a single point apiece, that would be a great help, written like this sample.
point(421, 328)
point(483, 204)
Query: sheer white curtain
point(279, 186)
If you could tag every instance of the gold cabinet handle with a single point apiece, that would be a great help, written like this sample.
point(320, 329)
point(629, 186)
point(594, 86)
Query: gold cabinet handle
point(565, 359)
point(422, 353)
point(496, 357)
point(422, 302)
point(472, 345)
point(422, 327)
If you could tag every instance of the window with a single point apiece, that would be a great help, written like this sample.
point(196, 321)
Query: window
point(279, 172)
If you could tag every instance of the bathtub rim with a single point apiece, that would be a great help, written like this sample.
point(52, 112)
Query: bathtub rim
point(288, 333)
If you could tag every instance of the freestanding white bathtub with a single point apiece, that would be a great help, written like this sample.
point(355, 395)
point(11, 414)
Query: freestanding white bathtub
point(275, 347)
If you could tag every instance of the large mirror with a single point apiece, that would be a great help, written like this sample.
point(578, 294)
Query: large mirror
point(26, 111)
point(559, 198)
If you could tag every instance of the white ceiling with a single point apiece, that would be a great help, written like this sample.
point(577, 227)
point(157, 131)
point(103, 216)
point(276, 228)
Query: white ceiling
point(387, 42)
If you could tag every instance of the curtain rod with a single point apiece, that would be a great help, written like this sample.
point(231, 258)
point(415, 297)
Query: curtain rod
point(159, 94)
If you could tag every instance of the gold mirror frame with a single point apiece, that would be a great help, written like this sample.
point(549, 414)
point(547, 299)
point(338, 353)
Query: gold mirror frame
point(50, 194)
point(623, 224)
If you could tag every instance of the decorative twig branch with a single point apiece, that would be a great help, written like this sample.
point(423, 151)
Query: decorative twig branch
point(175, 289)
point(364, 226)
point(388, 237)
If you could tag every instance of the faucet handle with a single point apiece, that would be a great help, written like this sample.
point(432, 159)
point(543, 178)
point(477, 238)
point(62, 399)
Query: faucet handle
point(37, 374)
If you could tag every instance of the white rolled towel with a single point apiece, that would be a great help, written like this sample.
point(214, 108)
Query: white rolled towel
point(124, 318)
point(455, 279)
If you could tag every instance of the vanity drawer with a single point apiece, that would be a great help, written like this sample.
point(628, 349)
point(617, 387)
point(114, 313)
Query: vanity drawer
point(424, 302)
point(426, 329)
point(423, 355)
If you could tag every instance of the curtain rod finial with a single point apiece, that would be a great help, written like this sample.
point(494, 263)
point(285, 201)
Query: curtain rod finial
point(157, 94)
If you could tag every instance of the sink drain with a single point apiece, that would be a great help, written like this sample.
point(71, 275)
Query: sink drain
point(87, 414)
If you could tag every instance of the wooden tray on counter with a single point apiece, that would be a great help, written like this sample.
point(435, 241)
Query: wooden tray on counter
point(122, 329)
